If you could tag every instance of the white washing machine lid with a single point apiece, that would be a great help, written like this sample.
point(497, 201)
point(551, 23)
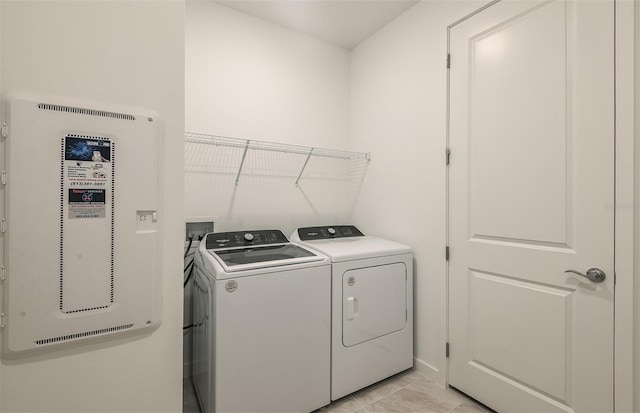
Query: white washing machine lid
point(254, 250)
point(347, 248)
point(249, 258)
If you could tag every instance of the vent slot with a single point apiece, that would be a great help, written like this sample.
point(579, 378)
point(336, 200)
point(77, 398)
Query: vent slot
point(82, 335)
point(83, 111)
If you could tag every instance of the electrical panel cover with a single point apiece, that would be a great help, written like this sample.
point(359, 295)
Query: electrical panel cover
point(80, 224)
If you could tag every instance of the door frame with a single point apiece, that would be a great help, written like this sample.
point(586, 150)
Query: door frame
point(627, 215)
point(626, 210)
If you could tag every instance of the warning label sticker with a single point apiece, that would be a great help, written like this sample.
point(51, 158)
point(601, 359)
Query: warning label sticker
point(87, 162)
point(87, 149)
point(87, 203)
point(88, 179)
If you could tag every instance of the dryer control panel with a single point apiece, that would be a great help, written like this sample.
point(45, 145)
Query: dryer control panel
point(245, 238)
point(328, 232)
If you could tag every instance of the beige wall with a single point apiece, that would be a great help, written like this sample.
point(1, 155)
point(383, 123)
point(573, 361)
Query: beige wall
point(132, 53)
point(1, 191)
point(636, 198)
point(129, 53)
point(398, 113)
point(252, 79)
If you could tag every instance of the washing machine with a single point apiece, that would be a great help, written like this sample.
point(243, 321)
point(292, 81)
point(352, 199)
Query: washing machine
point(372, 305)
point(262, 318)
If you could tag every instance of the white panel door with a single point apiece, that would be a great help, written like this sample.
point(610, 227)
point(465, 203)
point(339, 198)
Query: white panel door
point(531, 179)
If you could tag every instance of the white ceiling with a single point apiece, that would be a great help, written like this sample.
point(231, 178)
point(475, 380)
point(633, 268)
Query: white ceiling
point(344, 23)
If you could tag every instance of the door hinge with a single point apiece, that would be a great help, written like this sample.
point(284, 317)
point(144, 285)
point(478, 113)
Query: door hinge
point(446, 253)
point(446, 350)
point(448, 155)
point(5, 131)
point(3, 324)
point(3, 273)
point(448, 60)
point(3, 178)
point(3, 225)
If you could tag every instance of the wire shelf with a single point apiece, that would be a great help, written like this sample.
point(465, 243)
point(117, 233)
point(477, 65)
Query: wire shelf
point(226, 155)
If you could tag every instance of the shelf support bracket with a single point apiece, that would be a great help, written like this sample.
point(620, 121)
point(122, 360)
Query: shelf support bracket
point(244, 155)
point(306, 161)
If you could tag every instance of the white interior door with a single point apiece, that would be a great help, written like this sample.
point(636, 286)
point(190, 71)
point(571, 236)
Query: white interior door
point(531, 192)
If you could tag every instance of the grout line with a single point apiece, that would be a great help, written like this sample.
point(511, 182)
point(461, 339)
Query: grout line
point(393, 392)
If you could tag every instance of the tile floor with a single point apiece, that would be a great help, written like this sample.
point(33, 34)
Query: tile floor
point(407, 392)
point(189, 399)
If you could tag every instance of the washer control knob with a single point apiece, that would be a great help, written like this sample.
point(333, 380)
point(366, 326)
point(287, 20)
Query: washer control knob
point(248, 237)
point(331, 231)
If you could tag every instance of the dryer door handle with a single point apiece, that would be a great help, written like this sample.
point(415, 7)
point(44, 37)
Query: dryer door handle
point(352, 308)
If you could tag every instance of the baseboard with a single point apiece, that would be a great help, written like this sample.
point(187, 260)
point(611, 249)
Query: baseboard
point(428, 370)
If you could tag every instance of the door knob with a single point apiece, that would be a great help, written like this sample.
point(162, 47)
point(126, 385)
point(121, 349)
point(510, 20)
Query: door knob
point(594, 274)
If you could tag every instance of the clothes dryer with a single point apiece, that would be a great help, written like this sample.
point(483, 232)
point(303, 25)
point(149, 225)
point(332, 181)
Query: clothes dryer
point(372, 305)
point(261, 335)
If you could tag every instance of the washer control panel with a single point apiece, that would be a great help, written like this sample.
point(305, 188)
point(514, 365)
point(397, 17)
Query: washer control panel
point(328, 232)
point(245, 238)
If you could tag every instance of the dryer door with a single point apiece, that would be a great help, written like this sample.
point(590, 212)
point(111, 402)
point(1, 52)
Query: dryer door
point(374, 302)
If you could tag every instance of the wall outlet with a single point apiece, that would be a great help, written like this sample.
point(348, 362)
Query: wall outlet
point(198, 229)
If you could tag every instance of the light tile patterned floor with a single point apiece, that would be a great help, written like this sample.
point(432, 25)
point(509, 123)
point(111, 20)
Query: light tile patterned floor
point(407, 392)
point(189, 399)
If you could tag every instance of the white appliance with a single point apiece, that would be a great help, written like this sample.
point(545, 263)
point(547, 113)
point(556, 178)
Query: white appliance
point(372, 305)
point(261, 335)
